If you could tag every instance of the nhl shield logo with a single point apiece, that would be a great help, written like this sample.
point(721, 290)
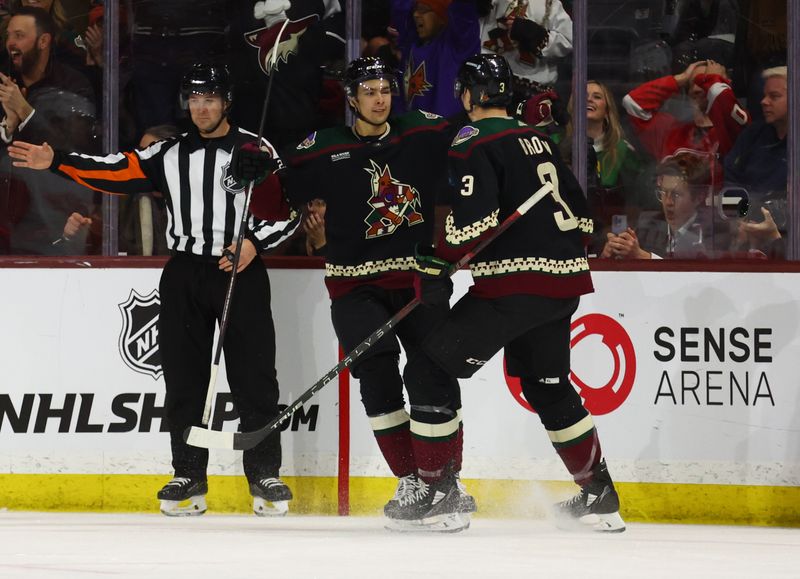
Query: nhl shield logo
point(138, 340)
point(228, 182)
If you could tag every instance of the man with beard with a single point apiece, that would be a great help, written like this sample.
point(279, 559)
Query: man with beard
point(38, 82)
point(43, 100)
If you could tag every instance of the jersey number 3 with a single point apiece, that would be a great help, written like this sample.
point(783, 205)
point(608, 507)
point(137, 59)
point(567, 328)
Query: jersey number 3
point(565, 218)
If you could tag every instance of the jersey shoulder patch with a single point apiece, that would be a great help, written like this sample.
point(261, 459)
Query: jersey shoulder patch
point(465, 134)
point(416, 119)
point(308, 142)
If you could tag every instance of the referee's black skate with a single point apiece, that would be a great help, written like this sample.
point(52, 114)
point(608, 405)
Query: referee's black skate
point(271, 497)
point(434, 507)
point(184, 497)
point(595, 508)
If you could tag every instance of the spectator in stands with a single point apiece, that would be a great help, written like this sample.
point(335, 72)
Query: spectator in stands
point(533, 35)
point(682, 228)
point(313, 39)
point(40, 82)
point(143, 216)
point(378, 39)
point(704, 29)
point(435, 38)
point(758, 160)
point(758, 163)
point(717, 117)
point(314, 227)
point(66, 41)
point(168, 37)
point(44, 100)
point(618, 167)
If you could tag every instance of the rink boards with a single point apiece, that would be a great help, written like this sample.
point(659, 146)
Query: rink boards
point(691, 377)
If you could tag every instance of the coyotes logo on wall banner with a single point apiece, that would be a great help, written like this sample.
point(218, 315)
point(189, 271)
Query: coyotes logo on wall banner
point(392, 203)
point(138, 340)
point(264, 39)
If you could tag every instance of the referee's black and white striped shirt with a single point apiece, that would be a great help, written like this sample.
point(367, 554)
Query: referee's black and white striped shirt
point(204, 202)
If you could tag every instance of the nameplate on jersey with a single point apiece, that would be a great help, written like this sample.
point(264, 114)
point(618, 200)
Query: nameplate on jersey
point(340, 156)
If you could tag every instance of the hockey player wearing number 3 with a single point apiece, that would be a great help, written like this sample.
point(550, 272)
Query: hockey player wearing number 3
point(527, 282)
point(205, 204)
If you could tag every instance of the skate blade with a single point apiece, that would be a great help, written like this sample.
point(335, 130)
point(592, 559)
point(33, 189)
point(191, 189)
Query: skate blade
point(594, 523)
point(449, 523)
point(191, 507)
point(265, 508)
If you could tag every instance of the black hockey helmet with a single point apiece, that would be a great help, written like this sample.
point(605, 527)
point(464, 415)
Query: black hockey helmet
point(203, 79)
point(488, 78)
point(367, 68)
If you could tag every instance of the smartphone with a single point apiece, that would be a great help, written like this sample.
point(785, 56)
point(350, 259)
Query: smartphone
point(619, 224)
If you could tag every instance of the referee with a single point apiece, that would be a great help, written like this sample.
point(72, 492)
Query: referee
point(204, 205)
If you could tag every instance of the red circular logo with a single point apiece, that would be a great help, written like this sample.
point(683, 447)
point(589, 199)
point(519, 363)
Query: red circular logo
point(598, 398)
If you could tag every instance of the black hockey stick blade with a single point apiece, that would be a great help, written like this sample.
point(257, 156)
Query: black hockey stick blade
point(206, 438)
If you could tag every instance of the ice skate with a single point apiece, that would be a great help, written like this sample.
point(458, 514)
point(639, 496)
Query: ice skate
point(595, 508)
point(271, 497)
point(407, 487)
point(430, 508)
point(467, 501)
point(184, 497)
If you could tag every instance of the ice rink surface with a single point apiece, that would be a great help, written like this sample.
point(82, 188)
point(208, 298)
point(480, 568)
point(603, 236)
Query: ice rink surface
point(58, 545)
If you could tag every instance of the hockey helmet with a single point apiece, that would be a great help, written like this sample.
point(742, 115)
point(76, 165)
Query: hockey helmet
point(368, 68)
point(488, 78)
point(204, 79)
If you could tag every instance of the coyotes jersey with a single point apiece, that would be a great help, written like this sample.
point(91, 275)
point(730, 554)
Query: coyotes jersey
point(496, 164)
point(380, 195)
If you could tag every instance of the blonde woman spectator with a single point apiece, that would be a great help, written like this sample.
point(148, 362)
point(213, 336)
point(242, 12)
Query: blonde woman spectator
point(618, 167)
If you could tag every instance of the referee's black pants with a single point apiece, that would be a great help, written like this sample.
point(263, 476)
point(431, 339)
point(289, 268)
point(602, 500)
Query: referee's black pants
point(192, 292)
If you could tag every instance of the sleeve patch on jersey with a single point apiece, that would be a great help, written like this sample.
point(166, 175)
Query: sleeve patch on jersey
point(309, 141)
point(465, 134)
point(455, 236)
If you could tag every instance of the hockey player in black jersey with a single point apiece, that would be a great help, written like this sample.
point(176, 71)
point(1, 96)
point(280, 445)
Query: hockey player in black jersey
point(380, 179)
point(527, 281)
point(205, 203)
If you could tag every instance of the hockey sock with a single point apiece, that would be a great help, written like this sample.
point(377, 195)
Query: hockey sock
point(435, 447)
point(579, 449)
point(394, 439)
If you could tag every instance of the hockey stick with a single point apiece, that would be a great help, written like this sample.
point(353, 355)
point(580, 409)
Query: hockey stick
point(205, 438)
point(223, 324)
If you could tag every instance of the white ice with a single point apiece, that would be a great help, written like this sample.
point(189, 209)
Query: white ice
point(57, 545)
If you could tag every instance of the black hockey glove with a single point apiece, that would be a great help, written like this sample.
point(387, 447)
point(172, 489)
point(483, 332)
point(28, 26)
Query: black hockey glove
point(531, 36)
point(249, 164)
point(432, 284)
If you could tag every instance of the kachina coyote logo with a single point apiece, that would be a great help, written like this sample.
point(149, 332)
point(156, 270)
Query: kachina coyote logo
point(391, 202)
point(138, 340)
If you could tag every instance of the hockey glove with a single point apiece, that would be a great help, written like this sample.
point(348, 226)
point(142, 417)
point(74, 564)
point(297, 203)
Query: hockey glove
point(249, 164)
point(432, 283)
point(539, 109)
point(530, 36)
